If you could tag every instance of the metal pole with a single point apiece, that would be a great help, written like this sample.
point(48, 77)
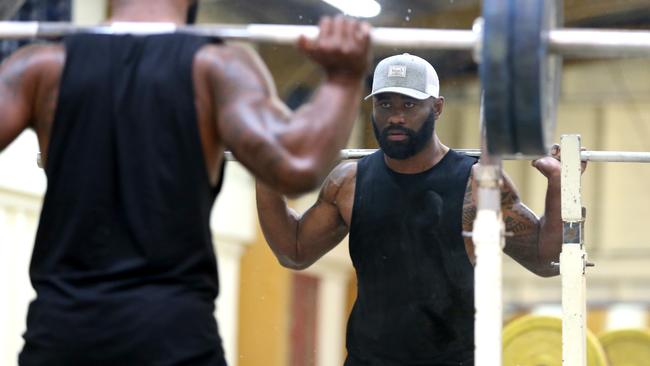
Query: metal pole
point(599, 43)
point(417, 38)
point(593, 156)
point(573, 259)
point(616, 156)
point(568, 42)
point(488, 238)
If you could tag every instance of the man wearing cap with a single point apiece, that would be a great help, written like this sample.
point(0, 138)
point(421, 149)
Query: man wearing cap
point(405, 208)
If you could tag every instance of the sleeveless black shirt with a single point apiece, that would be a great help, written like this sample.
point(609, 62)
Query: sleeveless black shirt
point(415, 300)
point(123, 264)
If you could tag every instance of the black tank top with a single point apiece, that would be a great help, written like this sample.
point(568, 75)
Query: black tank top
point(123, 265)
point(415, 300)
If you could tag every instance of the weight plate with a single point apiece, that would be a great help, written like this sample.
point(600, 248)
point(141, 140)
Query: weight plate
point(626, 347)
point(537, 341)
point(535, 75)
point(495, 77)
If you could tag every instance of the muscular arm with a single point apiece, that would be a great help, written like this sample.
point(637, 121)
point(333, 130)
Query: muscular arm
point(299, 240)
point(291, 152)
point(29, 83)
point(531, 241)
point(16, 93)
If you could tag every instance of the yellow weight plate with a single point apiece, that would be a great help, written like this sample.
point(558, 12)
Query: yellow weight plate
point(537, 341)
point(626, 347)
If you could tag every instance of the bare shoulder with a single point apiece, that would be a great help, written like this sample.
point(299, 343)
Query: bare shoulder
point(234, 63)
point(34, 59)
point(340, 182)
point(343, 173)
point(218, 55)
point(338, 190)
point(28, 73)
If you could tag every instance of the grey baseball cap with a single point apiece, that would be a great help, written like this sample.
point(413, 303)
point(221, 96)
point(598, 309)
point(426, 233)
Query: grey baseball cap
point(405, 74)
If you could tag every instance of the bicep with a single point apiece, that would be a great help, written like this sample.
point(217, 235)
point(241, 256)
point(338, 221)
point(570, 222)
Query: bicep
point(519, 219)
point(321, 227)
point(521, 223)
point(521, 226)
point(324, 225)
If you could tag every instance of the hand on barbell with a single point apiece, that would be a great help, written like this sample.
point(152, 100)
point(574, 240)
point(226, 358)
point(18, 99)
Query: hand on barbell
point(342, 47)
point(550, 165)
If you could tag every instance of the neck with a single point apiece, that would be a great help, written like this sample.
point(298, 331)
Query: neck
point(149, 11)
point(431, 155)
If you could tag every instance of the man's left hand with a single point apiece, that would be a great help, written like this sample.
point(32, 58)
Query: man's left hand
point(550, 165)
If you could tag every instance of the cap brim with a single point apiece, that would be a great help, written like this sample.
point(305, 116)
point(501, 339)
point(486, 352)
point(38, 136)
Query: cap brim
point(404, 91)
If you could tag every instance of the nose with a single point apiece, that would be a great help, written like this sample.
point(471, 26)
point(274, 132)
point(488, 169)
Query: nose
point(396, 119)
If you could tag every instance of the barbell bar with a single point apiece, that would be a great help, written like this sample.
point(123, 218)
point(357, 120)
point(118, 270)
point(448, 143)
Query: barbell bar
point(594, 156)
point(518, 44)
point(587, 155)
point(588, 43)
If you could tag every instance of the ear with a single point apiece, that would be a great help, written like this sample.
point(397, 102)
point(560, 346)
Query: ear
point(438, 103)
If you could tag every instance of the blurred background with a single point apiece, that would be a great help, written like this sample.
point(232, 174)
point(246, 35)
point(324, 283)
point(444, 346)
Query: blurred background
point(272, 316)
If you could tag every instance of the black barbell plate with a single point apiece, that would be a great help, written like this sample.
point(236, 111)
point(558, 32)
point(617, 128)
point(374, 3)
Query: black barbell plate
point(553, 73)
point(535, 81)
point(495, 77)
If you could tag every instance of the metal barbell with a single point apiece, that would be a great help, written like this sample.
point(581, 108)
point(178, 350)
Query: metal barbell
point(593, 156)
point(578, 43)
point(610, 43)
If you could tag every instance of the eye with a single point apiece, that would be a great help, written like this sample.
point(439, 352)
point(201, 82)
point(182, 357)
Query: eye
point(385, 105)
point(409, 104)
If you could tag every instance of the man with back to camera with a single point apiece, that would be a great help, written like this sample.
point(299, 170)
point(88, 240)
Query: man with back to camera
point(405, 208)
point(133, 131)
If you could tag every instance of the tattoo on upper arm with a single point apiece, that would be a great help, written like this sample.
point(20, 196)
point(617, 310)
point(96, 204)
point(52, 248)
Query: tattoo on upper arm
point(509, 197)
point(469, 208)
point(521, 225)
point(522, 228)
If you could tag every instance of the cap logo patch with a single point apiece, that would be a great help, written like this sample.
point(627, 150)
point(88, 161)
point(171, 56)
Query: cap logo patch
point(397, 71)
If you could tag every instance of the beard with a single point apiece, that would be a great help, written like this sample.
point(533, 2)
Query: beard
point(413, 144)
